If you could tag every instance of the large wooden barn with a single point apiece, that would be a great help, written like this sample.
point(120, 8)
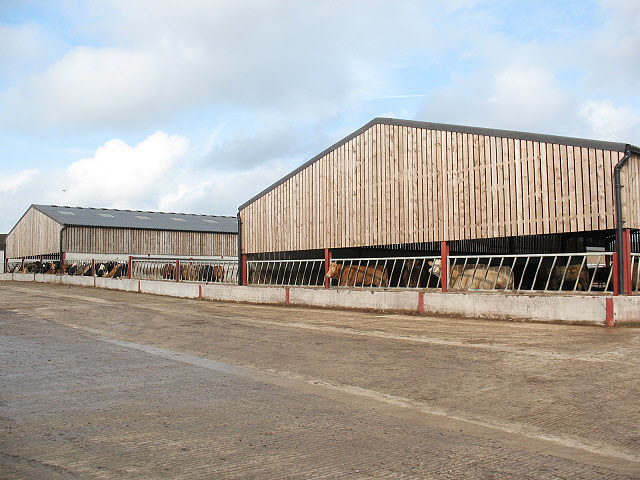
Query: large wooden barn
point(409, 186)
point(49, 230)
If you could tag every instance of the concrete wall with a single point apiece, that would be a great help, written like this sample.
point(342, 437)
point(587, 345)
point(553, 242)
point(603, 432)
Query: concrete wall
point(576, 309)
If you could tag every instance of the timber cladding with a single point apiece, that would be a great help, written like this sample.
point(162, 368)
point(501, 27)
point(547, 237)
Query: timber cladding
point(396, 182)
point(143, 242)
point(34, 234)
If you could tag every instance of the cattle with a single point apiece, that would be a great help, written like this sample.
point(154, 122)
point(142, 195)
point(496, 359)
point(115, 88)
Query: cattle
point(476, 277)
point(358, 275)
point(415, 274)
point(168, 271)
point(189, 272)
point(570, 277)
point(211, 273)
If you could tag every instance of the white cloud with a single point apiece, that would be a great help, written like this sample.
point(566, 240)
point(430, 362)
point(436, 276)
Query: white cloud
point(122, 176)
point(12, 183)
point(608, 122)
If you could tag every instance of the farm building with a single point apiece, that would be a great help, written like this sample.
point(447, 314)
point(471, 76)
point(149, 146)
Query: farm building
point(49, 231)
point(403, 189)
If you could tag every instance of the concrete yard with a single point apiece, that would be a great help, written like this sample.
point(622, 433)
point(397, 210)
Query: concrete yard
point(104, 384)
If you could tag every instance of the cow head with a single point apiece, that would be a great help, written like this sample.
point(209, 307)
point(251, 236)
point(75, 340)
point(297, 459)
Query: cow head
point(436, 267)
point(334, 270)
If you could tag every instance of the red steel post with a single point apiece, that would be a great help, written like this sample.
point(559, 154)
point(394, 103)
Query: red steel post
point(244, 269)
point(444, 258)
point(327, 263)
point(63, 258)
point(93, 267)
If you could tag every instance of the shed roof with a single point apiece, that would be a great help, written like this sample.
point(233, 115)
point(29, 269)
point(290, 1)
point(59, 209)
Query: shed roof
point(137, 219)
point(536, 137)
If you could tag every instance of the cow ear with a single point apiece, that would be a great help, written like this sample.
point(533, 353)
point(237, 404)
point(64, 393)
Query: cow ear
point(430, 262)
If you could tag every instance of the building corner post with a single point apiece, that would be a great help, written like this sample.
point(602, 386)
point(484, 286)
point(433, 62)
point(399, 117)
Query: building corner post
point(444, 259)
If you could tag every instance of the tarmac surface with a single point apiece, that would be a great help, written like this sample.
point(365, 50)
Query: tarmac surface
point(102, 384)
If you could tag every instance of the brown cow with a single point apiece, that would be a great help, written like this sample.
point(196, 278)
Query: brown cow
point(575, 276)
point(474, 277)
point(358, 275)
point(414, 275)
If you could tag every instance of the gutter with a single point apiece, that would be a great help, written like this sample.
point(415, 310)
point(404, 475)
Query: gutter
point(629, 149)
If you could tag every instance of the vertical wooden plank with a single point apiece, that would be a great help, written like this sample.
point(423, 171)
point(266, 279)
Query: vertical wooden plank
point(608, 184)
point(549, 173)
point(474, 158)
point(415, 174)
point(502, 168)
point(586, 189)
point(566, 213)
point(601, 189)
point(377, 184)
point(387, 149)
point(593, 187)
point(515, 166)
point(494, 221)
point(482, 171)
point(392, 157)
point(407, 147)
point(530, 183)
point(577, 162)
point(571, 192)
point(524, 165)
point(441, 150)
point(467, 184)
point(557, 169)
point(432, 214)
point(538, 229)
point(454, 217)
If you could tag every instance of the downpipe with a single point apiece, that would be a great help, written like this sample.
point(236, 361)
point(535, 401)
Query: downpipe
point(619, 220)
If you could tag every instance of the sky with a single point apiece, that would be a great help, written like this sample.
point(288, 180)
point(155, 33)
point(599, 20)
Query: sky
point(196, 106)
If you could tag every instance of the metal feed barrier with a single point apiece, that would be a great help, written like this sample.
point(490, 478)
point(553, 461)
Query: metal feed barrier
point(181, 270)
point(303, 273)
point(587, 272)
point(579, 272)
point(208, 271)
point(583, 272)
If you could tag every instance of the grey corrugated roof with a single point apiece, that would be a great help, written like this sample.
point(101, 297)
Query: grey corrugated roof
point(105, 217)
point(535, 137)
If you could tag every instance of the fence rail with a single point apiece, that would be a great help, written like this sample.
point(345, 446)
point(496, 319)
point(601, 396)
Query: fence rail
point(578, 272)
point(584, 272)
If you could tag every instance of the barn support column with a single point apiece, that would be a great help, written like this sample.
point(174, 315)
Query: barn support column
point(63, 258)
point(244, 270)
point(327, 262)
point(93, 267)
point(444, 258)
point(177, 270)
point(22, 267)
point(129, 266)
